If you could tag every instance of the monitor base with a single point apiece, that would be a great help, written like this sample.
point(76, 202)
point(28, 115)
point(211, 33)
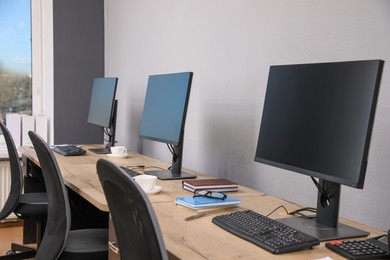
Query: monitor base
point(168, 175)
point(100, 150)
point(323, 233)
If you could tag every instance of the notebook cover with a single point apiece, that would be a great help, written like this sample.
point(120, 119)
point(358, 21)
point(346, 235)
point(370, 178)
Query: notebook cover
point(204, 202)
point(213, 189)
point(209, 183)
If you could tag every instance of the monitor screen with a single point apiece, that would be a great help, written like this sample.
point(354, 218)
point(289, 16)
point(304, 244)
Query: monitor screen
point(164, 114)
point(165, 107)
point(102, 101)
point(317, 120)
point(103, 108)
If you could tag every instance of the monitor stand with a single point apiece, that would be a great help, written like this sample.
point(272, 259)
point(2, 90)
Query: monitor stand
point(169, 175)
point(174, 171)
point(323, 233)
point(111, 135)
point(326, 224)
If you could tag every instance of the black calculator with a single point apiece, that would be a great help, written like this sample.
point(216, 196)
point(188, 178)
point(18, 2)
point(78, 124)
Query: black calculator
point(372, 248)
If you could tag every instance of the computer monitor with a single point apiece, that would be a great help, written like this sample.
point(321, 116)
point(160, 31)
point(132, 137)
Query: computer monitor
point(103, 109)
point(317, 120)
point(164, 117)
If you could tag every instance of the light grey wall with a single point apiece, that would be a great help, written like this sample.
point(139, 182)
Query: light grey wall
point(229, 45)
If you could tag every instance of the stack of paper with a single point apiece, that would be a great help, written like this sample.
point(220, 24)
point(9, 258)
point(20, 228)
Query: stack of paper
point(28, 124)
point(206, 202)
point(218, 185)
point(14, 125)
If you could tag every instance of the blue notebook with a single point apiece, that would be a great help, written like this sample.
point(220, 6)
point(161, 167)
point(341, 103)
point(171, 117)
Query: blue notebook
point(206, 202)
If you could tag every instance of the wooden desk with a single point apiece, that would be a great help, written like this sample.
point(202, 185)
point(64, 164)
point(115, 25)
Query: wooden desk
point(79, 173)
point(197, 239)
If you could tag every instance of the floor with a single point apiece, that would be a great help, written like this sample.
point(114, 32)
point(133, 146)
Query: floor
point(10, 232)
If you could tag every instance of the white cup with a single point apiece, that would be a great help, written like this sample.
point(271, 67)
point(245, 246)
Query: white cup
point(118, 150)
point(146, 182)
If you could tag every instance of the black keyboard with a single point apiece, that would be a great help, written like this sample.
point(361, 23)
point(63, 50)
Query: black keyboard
point(130, 172)
point(100, 150)
point(360, 249)
point(68, 150)
point(269, 234)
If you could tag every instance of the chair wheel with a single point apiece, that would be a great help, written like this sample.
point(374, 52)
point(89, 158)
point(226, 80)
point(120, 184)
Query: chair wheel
point(10, 252)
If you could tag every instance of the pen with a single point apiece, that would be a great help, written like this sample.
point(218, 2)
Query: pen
point(201, 214)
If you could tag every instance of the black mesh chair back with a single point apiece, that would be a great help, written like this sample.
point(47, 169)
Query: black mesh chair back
point(136, 226)
point(58, 215)
point(58, 241)
point(16, 175)
point(32, 206)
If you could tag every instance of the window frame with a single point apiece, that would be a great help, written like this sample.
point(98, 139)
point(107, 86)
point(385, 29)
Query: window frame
point(42, 60)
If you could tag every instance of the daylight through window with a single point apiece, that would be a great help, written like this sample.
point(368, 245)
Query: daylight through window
point(15, 57)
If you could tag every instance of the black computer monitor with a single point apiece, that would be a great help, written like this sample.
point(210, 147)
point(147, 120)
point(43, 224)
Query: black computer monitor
point(164, 117)
point(103, 109)
point(317, 120)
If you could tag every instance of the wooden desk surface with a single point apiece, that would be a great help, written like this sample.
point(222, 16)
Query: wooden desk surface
point(196, 239)
point(79, 173)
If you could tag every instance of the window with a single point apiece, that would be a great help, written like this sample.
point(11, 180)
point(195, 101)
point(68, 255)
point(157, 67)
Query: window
point(15, 57)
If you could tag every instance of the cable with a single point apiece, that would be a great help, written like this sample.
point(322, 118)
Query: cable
point(135, 167)
point(277, 209)
point(106, 132)
point(325, 196)
point(309, 209)
point(320, 189)
point(173, 152)
point(296, 212)
point(153, 167)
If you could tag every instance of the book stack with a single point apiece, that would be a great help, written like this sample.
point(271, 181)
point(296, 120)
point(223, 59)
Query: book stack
point(198, 203)
point(215, 185)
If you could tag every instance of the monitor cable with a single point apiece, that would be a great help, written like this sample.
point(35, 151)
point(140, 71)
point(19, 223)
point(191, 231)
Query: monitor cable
point(107, 132)
point(108, 145)
point(283, 207)
point(325, 196)
point(296, 212)
point(309, 209)
point(173, 152)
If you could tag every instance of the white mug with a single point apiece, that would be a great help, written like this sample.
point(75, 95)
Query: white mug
point(146, 182)
point(118, 150)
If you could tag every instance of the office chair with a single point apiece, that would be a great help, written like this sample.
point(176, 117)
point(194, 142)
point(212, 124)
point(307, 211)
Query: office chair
point(136, 226)
point(31, 206)
point(59, 242)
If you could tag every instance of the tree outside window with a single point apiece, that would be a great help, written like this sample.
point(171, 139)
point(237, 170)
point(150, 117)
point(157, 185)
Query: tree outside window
point(15, 57)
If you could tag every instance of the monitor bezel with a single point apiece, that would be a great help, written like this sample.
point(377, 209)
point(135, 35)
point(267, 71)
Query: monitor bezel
point(358, 182)
point(176, 146)
point(325, 226)
point(111, 125)
point(184, 115)
point(108, 122)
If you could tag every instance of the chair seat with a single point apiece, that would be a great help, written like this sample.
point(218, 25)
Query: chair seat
point(92, 242)
point(32, 205)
